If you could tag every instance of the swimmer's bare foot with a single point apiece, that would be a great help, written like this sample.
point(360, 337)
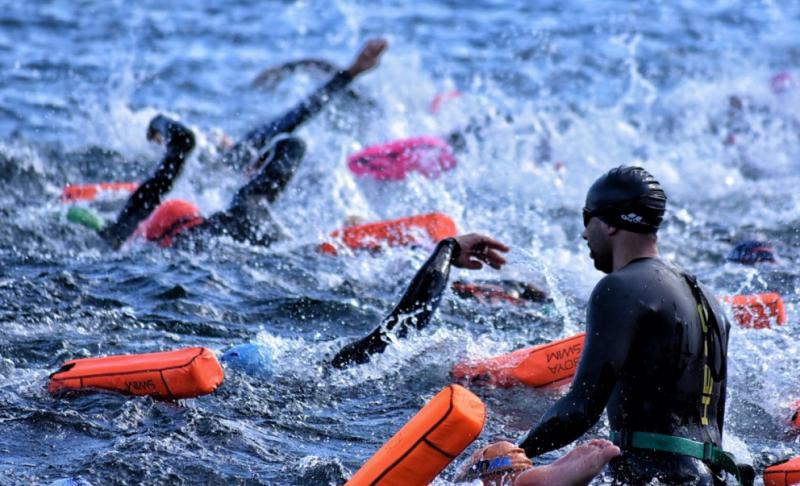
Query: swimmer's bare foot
point(577, 468)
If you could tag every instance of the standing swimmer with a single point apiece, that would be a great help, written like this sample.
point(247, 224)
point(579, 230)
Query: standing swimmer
point(655, 355)
point(274, 168)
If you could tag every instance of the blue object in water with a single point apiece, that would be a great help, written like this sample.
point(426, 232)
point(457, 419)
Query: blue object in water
point(250, 358)
point(751, 252)
point(70, 482)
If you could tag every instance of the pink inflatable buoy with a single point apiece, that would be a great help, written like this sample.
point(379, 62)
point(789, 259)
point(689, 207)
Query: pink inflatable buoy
point(781, 82)
point(391, 161)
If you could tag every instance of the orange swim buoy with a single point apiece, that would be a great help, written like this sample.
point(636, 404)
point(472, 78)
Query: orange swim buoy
point(89, 192)
point(783, 474)
point(427, 443)
point(535, 366)
point(758, 310)
point(396, 232)
point(185, 373)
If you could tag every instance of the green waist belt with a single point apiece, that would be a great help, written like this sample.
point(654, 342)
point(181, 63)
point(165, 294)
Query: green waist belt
point(705, 451)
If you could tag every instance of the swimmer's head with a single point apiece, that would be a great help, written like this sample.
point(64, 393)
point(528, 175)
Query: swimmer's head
point(495, 464)
point(169, 219)
point(624, 198)
point(628, 198)
point(751, 252)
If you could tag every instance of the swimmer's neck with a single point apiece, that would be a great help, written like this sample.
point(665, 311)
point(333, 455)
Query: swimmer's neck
point(633, 246)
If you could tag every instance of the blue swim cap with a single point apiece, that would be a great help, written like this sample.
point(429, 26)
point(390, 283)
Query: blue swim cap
point(250, 358)
point(751, 252)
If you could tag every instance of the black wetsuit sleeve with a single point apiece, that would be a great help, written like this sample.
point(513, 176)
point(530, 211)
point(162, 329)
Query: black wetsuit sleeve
point(257, 139)
point(610, 330)
point(179, 142)
point(415, 308)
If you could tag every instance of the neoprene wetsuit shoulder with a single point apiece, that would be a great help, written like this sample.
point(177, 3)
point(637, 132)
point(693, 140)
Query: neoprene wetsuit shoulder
point(643, 360)
point(256, 140)
point(414, 310)
point(179, 142)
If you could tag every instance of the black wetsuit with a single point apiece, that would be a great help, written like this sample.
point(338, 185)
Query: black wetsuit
point(245, 219)
point(415, 309)
point(643, 361)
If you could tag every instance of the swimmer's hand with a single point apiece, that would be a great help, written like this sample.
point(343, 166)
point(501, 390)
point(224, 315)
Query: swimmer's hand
point(368, 58)
point(477, 248)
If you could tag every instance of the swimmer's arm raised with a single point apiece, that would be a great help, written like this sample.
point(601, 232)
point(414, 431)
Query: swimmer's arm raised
point(610, 331)
point(424, 294)
point(179, 144)
point(415, 307)
point(366, 60)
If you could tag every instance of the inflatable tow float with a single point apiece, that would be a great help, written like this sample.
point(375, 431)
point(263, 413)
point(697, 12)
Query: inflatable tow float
point(783, 474)
point(397, 232)
point(185, 373)
point(757, 311)
point(392, 161)
point(536, 366)
point(89, 192)
point(427, 443)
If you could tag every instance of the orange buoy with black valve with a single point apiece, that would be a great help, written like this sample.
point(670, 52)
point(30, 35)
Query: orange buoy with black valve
point(427, 443)
point(536, 366)
point(783, 474)
point(397, 232)
point(185, 373)
point(89, 192)
point(758, 310)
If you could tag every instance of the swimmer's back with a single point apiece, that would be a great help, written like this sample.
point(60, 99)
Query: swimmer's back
point(661, 382)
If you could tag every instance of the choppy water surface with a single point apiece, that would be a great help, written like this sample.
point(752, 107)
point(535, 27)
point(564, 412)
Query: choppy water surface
point(569, 90)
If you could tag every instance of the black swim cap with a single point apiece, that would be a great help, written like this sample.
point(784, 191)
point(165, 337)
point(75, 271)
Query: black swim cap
point(628, 198)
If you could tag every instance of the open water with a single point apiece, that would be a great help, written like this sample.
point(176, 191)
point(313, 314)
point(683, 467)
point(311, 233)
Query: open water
point(564, 90)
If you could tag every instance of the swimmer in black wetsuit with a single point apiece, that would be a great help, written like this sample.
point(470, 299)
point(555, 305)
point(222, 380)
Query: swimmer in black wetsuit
point(274, 166)
point(650, 359)
point(423, 295)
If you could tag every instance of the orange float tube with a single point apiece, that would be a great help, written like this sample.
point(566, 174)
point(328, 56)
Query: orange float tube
point(783, 474)
point(396, 232)
point(89, 192)
point(427, 443)
point(757, 310)
point(185, 373)
point(536, 366)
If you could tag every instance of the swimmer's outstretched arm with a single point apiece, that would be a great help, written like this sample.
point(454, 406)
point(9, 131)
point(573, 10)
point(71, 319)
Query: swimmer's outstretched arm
point(180, 142)
point(423, 295)
point(610, 329)
point(257, 139)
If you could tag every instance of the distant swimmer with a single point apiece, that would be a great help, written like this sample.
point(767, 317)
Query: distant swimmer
point(503, 463)
point(422, 298)
point(751, 252)
point(655, 355)
point(265, 151)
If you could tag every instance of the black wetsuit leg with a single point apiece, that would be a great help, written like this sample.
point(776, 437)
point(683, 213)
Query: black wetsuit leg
point(247, 219)
point(180, 142)
point(254, 142)
point(414, 310)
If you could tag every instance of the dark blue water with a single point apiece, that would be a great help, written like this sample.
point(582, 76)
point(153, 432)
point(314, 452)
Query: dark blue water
point(588, 85)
